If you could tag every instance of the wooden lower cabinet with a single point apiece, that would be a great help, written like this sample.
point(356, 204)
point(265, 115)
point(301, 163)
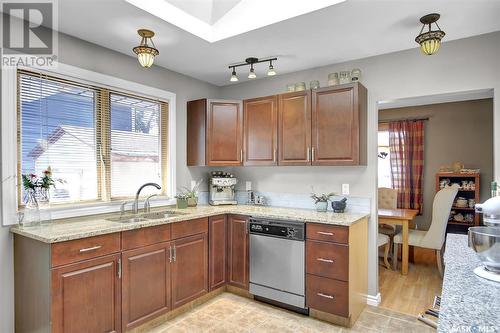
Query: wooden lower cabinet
point(189, 269)
point(237, 251)
point(217, 263)
point(86, 296)
point(145, 284)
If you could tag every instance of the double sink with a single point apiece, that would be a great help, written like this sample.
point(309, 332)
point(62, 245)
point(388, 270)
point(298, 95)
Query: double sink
point(146, 216)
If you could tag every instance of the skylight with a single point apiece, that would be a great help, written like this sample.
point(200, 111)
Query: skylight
point(214, 20)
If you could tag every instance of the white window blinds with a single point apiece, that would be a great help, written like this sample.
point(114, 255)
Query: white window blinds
point(57, 129)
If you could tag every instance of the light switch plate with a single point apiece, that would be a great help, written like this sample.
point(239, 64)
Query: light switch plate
point(345, 189)
point(248, 185)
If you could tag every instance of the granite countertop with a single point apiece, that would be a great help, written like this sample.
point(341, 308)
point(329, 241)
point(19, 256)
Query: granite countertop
point(82, 227)
point(469, 303)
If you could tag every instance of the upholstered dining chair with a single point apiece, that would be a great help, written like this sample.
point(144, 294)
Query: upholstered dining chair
point(434, 237)
point(384, 240)
point(387, 199)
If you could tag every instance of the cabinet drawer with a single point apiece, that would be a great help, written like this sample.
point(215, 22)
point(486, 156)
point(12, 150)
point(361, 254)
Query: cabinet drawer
point(189, 228)
point(329, 233)
point(145, 236)
point(85, 248)
point(327, 259)
point(327, 295)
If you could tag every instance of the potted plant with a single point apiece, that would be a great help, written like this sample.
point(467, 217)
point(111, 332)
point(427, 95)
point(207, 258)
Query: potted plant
point(192, 194)
point(321, 201)
point(182, 200)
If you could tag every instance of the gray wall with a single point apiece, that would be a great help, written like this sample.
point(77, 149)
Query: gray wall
point(460, 131)
point(460, 66)
point(76, 52)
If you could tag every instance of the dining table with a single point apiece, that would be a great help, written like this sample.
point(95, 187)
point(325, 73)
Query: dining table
point(402, 217)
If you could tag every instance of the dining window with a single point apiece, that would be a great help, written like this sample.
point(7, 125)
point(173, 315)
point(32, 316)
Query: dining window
point(100, 144)
point(384, 162)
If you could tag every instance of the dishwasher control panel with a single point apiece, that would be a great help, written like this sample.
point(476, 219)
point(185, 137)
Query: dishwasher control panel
point(275, 228)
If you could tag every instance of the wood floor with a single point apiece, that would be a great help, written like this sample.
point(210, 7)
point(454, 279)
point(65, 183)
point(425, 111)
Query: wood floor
point(413, 293)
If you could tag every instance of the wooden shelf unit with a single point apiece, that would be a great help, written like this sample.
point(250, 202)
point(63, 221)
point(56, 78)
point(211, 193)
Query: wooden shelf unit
point(458, 177)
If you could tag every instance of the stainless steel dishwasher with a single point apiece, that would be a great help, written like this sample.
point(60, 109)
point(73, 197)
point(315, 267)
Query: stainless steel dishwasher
point(277, 272)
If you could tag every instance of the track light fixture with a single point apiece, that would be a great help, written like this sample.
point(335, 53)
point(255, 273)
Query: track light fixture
point(251, 62)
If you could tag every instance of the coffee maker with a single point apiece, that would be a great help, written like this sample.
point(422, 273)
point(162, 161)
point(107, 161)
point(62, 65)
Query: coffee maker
point(222, 188)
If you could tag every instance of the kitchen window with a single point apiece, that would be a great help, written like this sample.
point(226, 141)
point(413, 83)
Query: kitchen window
point(101, 143)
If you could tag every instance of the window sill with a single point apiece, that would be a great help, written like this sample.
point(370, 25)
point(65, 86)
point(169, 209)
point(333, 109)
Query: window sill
point(56, 213)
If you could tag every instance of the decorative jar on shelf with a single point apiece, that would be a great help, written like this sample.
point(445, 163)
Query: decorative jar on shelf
point(333, 79)
point(345, 77)
point(300, 86)
point(314, 84)
point(356, 75)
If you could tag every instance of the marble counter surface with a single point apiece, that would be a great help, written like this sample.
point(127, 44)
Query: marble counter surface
point(82, 227)
point(469, 303)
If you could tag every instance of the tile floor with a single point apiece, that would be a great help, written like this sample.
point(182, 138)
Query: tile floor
point(231, 313)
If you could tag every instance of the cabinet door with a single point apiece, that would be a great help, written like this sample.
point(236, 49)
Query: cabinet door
point(336, 125)
point(294, 128)
point(145, 284)
point(224, 133)
point(196, 134)
point(86, 296)
point(217, 251)
point(260, 131)
point(238, 251)
point(189, 269)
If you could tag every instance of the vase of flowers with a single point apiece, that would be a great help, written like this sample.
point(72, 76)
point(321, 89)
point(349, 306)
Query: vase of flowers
point(37, 195)
point(181, 201)
point(321, 201)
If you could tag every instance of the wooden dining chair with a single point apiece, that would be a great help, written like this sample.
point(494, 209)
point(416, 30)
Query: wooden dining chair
point(384, 240)
point(434, 237)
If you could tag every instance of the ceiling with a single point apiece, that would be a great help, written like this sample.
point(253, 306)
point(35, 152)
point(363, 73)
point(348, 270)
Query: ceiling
point(349, 30)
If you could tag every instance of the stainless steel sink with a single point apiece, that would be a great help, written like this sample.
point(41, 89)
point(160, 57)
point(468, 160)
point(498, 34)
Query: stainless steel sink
point(161, 215)
point(126, 219)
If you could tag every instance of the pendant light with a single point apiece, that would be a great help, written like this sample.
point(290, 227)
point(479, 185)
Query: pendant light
point(271, 71)
point(234, 77)
point(145, 53)
point(430, 40)
point(251, 74)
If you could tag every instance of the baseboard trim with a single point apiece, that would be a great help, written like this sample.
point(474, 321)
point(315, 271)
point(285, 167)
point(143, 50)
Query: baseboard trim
point(373, 300)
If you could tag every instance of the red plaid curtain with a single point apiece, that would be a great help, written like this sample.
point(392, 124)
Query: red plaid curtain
point(406, 141)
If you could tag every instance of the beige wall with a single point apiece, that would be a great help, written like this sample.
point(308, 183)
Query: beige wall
point(460, 131)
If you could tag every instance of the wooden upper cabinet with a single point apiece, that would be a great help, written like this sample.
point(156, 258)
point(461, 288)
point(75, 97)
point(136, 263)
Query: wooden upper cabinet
point(86, 296)
point(339, 125)
point(196, 132)
point(237, 251)
point(260, 131)
point(145, 284)
point(224, 133)
point(294, 128)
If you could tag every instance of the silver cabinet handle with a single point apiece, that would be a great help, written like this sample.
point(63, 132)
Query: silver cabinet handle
point(308, 154)
point(325, 295)
point(274, 155)
point(330, 261)
point(325, 233)
point(90, 248)
point(170, 253)
point(120, 268)
point(312, 153)
point(175, 254)
point(241, 155)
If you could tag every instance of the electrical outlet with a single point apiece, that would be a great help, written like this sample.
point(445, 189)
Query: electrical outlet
point(345, 189)
point(193, 184)
point(248, 185)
